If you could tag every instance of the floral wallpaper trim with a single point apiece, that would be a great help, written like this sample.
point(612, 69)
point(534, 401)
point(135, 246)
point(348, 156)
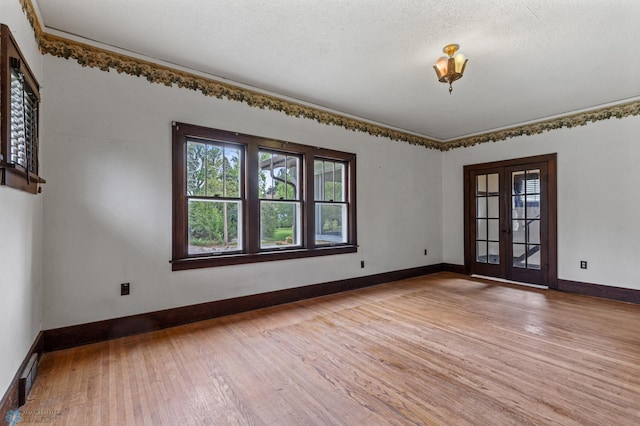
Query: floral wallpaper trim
point(573, 120)
point(94, 57)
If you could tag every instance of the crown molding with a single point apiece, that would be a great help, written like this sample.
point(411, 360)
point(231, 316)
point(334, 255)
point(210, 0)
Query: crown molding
point(572, 120)
point(106, 60)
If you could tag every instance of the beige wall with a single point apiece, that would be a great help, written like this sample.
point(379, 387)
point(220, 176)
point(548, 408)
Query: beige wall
point(21, 242)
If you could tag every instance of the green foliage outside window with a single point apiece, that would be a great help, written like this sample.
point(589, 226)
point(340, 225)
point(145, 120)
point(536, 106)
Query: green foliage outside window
point(279, 210)
point(213, 171)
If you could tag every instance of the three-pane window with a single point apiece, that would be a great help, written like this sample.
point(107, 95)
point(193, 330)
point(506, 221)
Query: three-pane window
point(240, 198)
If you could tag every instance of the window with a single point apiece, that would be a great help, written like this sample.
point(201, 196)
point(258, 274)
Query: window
point(19, 117)
point(213, 197)
point(242, 199)
point(280, 202)
point(331, 204)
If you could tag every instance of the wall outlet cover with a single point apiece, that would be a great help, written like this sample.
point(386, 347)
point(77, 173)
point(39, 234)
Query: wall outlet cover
point(124, 289)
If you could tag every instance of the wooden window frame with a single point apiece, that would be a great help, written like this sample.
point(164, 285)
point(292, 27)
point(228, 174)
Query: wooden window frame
point(12, 174)
point(252, 252)
point(322, 198)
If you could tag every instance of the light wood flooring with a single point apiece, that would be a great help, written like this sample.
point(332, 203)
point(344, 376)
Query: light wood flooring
point(437, 350)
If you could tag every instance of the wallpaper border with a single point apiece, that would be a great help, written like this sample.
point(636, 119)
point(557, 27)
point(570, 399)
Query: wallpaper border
point(105, 60)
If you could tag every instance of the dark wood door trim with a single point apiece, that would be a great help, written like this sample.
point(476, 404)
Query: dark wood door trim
point(488, 269)
point(520, 274)
point(551, 161)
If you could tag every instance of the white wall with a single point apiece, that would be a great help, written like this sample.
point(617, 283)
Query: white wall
point(21, 246)
point(598, 197)
point(108, 198)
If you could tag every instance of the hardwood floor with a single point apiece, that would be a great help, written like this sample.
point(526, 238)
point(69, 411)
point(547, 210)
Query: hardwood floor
point(436, 350)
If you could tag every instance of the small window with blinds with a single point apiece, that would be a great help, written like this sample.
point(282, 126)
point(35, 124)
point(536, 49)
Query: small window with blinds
point(19, 102)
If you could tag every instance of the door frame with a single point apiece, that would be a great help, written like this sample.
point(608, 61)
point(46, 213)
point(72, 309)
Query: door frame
point(551, 184)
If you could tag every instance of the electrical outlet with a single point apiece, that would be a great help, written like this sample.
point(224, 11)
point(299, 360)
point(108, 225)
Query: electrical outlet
point(124, 289)
point(583, 264)
point(362, 263)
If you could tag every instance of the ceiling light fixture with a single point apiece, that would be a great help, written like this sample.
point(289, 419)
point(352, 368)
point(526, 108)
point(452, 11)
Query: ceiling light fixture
point(451, 67)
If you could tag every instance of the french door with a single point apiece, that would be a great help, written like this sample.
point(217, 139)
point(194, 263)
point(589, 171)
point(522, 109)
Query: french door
point(510, 220)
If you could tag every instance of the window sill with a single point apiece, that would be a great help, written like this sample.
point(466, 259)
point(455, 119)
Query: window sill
point(17, 177)
point(240, 259)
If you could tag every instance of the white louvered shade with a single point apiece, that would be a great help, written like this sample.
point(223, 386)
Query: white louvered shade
point(24, 118)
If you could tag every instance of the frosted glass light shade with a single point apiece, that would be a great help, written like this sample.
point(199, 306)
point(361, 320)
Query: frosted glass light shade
point(441, 67)
point(460, 62)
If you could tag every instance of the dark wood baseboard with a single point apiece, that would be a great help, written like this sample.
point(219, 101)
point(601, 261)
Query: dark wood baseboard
point(451, 267)
point(77, 335)
point(10, 399)
point(597, 290)
point(82, 334)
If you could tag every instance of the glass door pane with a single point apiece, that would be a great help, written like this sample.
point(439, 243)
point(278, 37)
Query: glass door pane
point(487, 202)
point(525, 218)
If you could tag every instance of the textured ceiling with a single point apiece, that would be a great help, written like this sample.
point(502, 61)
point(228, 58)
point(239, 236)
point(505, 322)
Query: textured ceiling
point(372, 59)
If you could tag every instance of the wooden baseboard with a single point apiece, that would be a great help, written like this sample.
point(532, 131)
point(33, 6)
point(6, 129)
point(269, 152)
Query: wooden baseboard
point(82, 334)
point(451, 267)
point(77, 335)
point(597, 290)
point(10, 399)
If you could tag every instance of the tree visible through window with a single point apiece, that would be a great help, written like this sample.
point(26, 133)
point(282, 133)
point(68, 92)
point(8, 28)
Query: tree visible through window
point(214, 199)
point(240, 198)
point(280, 206)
